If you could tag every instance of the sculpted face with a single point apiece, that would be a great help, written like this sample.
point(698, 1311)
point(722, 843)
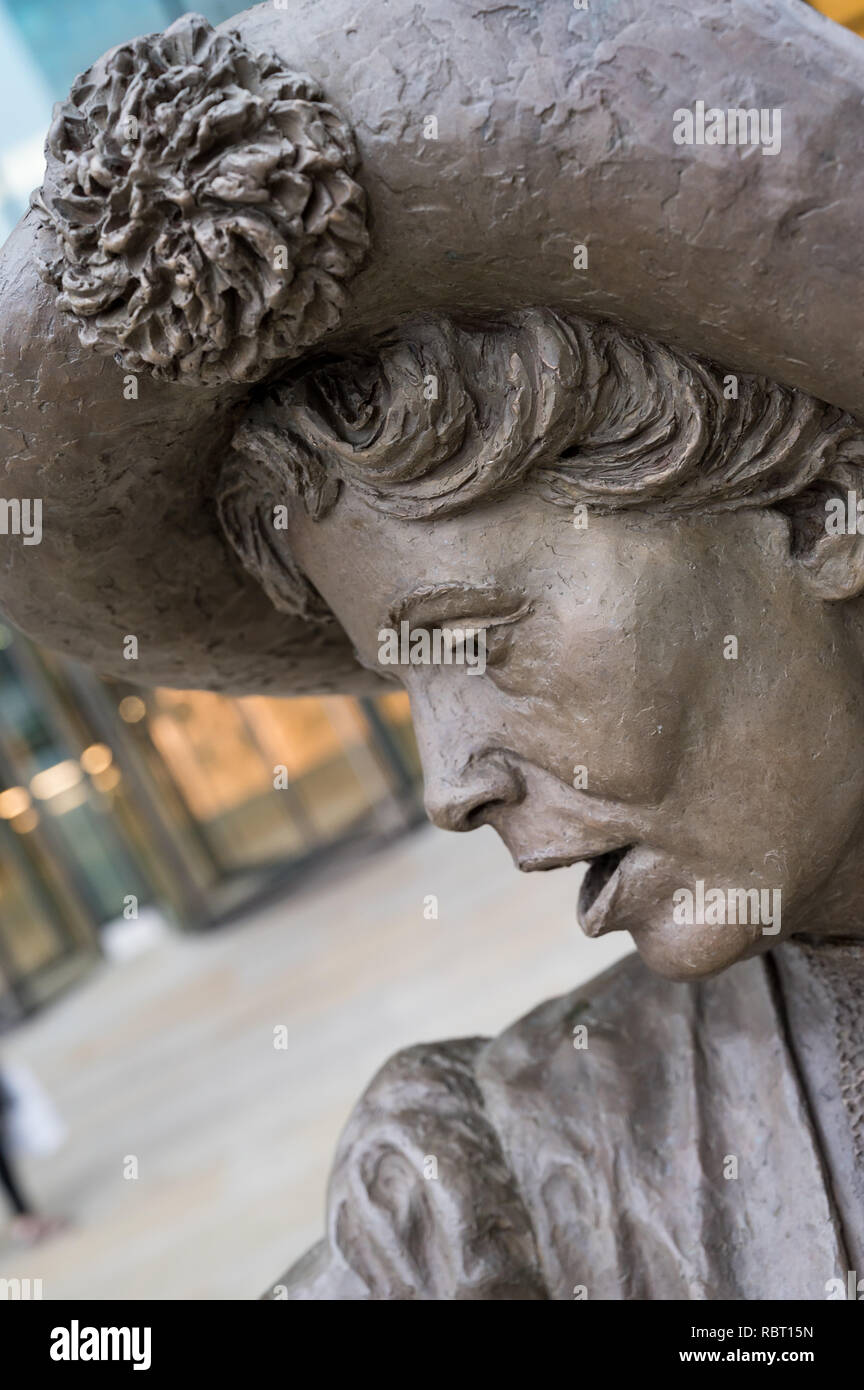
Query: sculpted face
point(613, 649)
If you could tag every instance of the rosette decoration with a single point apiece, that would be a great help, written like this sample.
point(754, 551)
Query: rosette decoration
point(204, 207)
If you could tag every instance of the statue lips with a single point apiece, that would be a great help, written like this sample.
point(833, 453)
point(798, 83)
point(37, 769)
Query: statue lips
point(598, 890)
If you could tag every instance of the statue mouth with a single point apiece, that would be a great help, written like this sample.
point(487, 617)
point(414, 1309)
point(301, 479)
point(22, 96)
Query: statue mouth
point(602, 868)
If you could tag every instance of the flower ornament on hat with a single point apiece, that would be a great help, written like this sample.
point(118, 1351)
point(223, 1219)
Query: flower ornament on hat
point(204, 206)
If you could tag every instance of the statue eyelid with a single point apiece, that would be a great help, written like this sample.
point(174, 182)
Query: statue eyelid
point(507, 620)
point(474, 624)
point(502, 632)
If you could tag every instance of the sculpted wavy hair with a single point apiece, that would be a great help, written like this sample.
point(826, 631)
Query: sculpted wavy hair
point(439, 418)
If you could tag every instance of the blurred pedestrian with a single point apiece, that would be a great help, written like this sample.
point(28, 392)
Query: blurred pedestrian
point(28, 1227)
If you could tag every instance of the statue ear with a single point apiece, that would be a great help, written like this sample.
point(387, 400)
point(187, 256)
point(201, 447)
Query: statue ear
point(828, 534)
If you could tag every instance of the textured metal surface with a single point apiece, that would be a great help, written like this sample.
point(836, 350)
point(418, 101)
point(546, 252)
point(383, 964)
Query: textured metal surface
point(554, 129)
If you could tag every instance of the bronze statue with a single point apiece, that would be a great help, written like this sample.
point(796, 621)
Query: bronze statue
point(482, 335)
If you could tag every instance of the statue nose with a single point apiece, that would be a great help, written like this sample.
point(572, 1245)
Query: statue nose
point(464, 804)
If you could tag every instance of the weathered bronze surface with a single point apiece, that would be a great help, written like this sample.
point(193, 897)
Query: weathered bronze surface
point(347, 317)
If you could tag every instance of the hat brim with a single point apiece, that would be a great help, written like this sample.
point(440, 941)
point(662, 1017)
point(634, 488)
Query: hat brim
point(554, 129)
point(131, 544)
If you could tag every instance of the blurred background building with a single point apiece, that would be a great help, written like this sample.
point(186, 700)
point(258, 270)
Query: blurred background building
point(123, 808)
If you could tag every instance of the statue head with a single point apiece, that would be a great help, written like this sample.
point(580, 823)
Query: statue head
point(672, 628)
point(298, 375)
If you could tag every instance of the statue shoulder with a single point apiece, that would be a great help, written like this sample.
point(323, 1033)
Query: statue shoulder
point(421, 1201)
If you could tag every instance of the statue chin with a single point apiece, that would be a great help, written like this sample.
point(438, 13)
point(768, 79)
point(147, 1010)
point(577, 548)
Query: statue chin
point(694, 952)
point(684, 927)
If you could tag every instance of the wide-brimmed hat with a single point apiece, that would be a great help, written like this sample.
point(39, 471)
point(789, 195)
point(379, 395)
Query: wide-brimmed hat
point(220, 205)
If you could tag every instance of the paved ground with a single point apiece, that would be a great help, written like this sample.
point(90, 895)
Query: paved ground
point(170, 1058)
